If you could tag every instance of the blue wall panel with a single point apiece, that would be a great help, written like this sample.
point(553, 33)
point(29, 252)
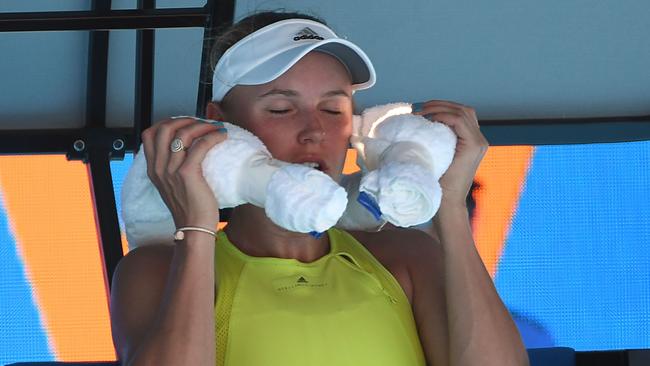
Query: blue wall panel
point(577, 259)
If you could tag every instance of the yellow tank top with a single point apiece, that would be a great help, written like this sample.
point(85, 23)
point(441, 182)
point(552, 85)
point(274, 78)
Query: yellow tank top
point(344, 308)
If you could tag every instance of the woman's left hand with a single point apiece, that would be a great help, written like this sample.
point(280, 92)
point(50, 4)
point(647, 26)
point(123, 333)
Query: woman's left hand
point(470, 148)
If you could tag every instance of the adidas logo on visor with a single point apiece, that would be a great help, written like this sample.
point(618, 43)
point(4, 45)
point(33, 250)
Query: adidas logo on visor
point(307, 33)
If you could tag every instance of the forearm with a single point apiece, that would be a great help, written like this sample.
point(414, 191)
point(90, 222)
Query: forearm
point(184, 333)
point(481, 331)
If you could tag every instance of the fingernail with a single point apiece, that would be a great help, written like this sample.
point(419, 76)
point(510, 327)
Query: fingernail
point(189, 117)
point(216, 123)
point(417, 107)
point(197, 119)
point(222, 130)
point(202, 119)
point(428, 116)
point(179, 117)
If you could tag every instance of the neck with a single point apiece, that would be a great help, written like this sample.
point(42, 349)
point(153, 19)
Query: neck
point(254, 234)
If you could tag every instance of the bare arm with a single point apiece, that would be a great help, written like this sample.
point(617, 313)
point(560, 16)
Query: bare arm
point(162, 309)
point(479, 328)
point(162, 305)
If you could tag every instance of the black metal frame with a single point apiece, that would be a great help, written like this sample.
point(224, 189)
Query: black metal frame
point(563, 131)
point(142, 18)
point(97, 144)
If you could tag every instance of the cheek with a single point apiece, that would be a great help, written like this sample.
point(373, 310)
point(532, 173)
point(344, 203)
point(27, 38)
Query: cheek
point(339, 140)
point(341, 132)
point(274, 135)
point(278, 140)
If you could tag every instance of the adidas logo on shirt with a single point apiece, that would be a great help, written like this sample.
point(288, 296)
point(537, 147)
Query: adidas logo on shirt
point(307, 33)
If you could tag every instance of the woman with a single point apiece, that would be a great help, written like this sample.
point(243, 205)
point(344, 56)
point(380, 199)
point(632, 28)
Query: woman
point(395, 297)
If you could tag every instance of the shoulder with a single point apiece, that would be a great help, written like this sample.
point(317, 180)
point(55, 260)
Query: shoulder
point(136, 292)
point(409, 254)
point(143, 263)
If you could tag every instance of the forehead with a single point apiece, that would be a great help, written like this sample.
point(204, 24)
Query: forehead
point(316, 74)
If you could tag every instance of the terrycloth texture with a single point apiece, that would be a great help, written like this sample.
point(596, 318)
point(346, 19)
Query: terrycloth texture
point(239, 170)
point(304, 199)
point(402, 157)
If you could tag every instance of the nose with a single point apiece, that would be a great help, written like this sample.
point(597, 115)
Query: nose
point(312, 131)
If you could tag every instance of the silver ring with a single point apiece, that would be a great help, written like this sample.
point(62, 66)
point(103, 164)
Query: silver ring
point(177, 145)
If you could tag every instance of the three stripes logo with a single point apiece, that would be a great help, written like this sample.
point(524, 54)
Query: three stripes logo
point(307, 33)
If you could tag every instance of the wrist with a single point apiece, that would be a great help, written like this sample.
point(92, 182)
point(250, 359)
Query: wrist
point(196, 241)
point(183, 231)
point(451, 210)
point(453, 203)
point(203, 221)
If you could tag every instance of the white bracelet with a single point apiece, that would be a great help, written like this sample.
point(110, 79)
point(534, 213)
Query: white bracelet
point(180, 232)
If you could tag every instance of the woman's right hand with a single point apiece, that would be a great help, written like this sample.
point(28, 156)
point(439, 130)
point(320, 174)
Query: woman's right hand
point(178, 175)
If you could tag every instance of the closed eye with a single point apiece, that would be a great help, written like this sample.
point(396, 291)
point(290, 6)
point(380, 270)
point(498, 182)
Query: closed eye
point(279, 111)
point(331, 111)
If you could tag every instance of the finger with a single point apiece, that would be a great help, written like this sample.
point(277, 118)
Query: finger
point(466, 113)
point(455, 122)
point(200, 148)
point(419, 106)
point(445, 106)
point(149, 146)
point(165, 133)
point(440, 109)
point(188, 135)
point(468, 132)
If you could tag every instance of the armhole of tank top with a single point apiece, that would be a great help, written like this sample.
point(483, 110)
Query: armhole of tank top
point(387, 277)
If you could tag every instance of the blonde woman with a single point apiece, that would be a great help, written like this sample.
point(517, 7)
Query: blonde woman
point(262, 295)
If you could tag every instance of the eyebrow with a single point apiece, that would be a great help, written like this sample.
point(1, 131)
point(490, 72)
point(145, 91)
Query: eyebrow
point(293, 93)
point(285, 92)
point(337, 93)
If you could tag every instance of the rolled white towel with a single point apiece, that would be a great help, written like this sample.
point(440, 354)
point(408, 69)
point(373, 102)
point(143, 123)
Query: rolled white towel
point(238, 170)
point(402, 157)
point(304, 200)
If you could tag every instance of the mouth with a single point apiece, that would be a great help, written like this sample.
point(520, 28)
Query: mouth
point(313, 163)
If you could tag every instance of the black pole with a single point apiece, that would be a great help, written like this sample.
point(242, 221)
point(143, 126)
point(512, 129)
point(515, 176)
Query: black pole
point(110, 19)
point(219, 13)
point(144, 71)
point(98, 156)
point(105, 210)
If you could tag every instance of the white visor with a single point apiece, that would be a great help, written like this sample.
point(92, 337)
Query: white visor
point(269, 52)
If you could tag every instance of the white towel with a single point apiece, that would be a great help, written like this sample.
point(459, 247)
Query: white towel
point(402, 157)
point(146, 218)
point(238, 170)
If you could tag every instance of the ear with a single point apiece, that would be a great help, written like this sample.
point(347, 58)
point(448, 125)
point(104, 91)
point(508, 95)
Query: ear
point(214, 111)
